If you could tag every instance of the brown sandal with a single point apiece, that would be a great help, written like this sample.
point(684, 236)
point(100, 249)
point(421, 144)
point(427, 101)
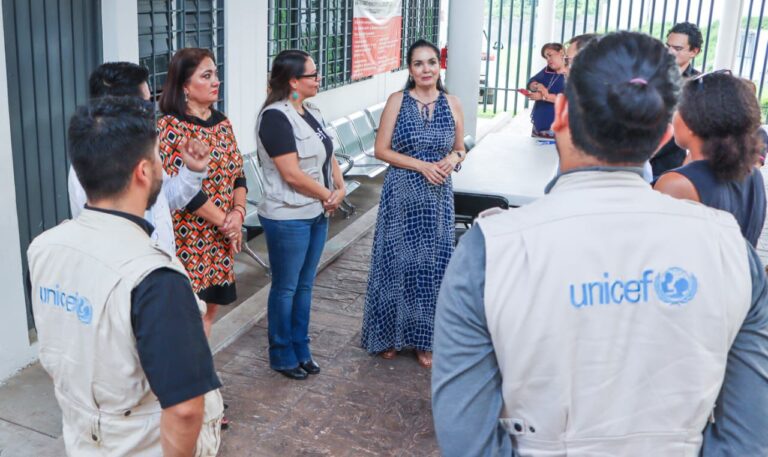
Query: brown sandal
point(424, 358)
point(389, 354)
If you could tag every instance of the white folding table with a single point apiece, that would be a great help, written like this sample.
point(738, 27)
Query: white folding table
point(514, 166)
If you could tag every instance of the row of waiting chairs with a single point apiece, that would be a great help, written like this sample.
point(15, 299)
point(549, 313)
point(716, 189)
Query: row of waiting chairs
point(354, 138)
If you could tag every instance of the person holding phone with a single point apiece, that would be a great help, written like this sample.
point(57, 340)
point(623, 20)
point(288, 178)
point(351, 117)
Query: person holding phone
point(544, 87)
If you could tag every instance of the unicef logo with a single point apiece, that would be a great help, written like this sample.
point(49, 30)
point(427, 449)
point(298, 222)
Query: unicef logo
point(84, 311)
point(675, 286)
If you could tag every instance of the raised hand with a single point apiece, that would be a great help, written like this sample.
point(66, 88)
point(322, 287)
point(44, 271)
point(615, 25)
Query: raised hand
point(195, 154)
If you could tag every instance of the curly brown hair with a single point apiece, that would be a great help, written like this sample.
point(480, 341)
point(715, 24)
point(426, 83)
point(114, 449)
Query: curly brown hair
point(722, 110)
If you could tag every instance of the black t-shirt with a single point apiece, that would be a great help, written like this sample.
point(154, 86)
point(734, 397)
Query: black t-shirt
point(173, 350)
point(276, 135)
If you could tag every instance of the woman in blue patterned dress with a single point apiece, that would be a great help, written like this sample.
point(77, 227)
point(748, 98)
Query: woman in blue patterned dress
point(421, 137)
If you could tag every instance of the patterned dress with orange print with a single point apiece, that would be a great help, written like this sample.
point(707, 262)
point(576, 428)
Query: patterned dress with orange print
point(203, 250)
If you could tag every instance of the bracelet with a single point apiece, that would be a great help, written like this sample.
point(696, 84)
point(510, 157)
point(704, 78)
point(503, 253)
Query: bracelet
point(238, 205)
point(461, 154)
point(239, 211)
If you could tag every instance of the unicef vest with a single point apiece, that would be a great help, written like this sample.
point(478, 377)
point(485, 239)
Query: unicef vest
point(281, 201)
point(82, 273)
point(612, 309)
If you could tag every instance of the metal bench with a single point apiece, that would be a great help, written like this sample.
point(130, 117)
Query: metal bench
point(251, 224)
point(374, 114)
point(363, 165)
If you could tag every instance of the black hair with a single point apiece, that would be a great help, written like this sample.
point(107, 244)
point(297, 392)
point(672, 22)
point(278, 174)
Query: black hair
point(695, 39)
point(422, 43)
point(118, 79)
point(557, 47)
point(107, 139)
point(582, 40)
point(183, 65)
point(288, 64)
point(621, 93)
point(722, 110)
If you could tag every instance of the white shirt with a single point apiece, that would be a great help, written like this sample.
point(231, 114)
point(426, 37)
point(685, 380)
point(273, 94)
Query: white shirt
point(176, 193)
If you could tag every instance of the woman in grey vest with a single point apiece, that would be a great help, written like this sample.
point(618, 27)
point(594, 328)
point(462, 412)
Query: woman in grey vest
point(303, 185)
point(722, 140)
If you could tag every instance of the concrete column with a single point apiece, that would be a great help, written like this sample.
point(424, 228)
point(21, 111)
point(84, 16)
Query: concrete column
point(728, 37)
point(544, 29)
point(465, 39)
point(246, 72)
point(120, 31)
point(16, 351)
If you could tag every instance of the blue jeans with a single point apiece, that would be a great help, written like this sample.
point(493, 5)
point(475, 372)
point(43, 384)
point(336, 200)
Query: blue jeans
point(294, 249)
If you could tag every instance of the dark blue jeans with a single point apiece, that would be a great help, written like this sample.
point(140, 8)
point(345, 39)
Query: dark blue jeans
point(294, 248)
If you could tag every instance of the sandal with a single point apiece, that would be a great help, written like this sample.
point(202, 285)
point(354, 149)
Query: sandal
point(389, 354)
point(424, 358)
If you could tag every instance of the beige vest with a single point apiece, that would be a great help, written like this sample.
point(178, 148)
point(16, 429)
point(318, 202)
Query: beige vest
point(612, 309)
point(82, 274)
point(281, 201)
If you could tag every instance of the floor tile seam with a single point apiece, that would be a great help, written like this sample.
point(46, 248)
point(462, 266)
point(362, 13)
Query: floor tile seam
point(346, 289)
point(345, 268)
point(25, 427)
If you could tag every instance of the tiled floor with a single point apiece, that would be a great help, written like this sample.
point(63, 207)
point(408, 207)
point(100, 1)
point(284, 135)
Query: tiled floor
point(358, 406)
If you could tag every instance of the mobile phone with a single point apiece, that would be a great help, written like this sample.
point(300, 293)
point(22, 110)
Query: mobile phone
point(525, 92)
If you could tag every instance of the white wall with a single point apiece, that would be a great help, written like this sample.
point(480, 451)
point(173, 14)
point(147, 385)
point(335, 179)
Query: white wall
point(15, 348)
point(245, 66)
point(120, 31)
point(345, 100)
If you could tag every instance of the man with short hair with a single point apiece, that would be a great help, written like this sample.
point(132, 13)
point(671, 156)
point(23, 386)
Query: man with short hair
point(130, 80)
point(575, 44)
point(119, 326)
point(119, 79)
point(684, 42)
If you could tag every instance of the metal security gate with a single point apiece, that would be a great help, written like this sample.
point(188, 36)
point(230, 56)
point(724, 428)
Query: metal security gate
point(51, 46)
point(510, 25)
point(507, 54)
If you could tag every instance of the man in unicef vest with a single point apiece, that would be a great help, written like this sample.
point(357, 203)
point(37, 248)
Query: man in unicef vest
point(119, 327)
point(604, 319)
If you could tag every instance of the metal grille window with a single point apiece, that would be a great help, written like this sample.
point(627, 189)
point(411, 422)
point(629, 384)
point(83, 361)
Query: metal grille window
point(166, 26)
point(421, 19)
point(324, 29)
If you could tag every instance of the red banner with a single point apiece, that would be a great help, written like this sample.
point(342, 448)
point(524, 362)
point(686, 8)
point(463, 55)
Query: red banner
point(377, 27)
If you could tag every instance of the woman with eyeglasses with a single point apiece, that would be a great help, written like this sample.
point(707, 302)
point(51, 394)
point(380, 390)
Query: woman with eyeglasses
point(544, 87)
point(717, 121)
point(303, 186)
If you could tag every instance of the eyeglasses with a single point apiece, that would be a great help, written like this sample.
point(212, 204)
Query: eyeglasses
point(316, 75)
point(700, 78)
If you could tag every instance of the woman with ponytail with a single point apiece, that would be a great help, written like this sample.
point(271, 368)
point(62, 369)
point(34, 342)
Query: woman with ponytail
point(717, 122)
point(303, 185)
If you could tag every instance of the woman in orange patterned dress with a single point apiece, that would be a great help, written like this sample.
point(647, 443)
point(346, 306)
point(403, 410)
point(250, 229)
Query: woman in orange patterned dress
point(208, 229)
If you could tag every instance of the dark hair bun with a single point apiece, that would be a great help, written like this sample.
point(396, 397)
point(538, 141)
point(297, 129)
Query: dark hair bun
point(621, 91)
point(636, 104)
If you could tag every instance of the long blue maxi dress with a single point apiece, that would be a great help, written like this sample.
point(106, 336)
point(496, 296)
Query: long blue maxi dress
point(414, 236)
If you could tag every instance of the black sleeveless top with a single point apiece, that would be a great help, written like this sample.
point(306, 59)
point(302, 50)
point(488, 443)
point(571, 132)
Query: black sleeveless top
point(744, 199)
